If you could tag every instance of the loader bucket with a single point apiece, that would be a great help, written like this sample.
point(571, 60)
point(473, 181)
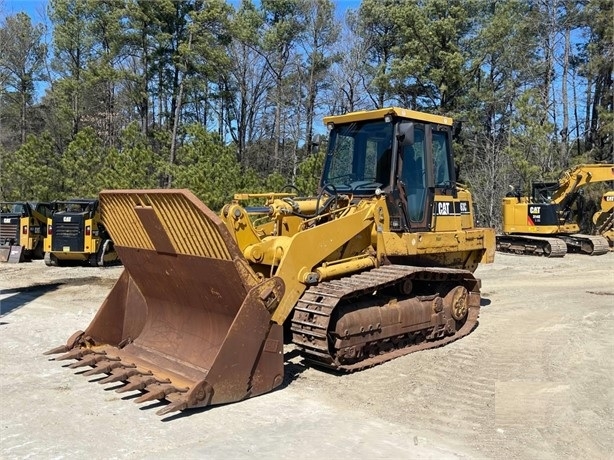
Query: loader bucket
point(188, 321)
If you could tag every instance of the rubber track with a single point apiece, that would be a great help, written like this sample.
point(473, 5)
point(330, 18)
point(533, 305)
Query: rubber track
point(598, 243)
point(319, 302)
point(531, 245)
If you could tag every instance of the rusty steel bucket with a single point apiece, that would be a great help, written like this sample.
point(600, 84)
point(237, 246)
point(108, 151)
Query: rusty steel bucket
point(188, 321)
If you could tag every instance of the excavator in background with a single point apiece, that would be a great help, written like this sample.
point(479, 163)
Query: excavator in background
point(23, 227)
point(379, 264)
point(75, 234)
point(546, 224)
point(604, 218)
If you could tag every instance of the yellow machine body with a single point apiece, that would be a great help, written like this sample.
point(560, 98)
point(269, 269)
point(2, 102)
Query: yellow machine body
point(604, 218)
point(75, 234)
point(379, 264)
point(532, 225)
point(23, 227)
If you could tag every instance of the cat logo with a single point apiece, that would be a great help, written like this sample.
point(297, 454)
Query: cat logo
point(7, 220)
point(534, 210)
point(67, 219)
point(443, 209)
point(609, 198)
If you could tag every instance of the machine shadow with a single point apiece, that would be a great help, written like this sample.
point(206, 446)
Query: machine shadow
point(24, 295)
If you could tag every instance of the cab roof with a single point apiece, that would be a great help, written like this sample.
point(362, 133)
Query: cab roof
point(381, 113)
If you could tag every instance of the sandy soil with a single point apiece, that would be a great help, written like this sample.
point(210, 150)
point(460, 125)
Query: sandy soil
point(535, 379)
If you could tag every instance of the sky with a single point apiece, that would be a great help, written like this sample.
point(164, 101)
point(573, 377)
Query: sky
point(33, 8)
point(36, 8)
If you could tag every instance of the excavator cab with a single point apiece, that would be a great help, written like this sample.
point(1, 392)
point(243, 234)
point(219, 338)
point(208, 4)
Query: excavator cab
point(542, 192)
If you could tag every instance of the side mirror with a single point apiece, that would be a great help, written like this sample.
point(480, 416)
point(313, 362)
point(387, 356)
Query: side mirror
point(315, 143)
point(405, 133)
point(457, 127)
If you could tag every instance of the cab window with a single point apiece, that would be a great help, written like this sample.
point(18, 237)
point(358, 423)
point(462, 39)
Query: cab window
point(441, 163)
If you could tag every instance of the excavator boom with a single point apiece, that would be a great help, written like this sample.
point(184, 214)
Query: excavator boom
point(581, 176)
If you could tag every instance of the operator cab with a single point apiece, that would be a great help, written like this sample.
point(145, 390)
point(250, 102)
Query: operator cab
point(16, 208)
point(403, 154)
point(542, 192)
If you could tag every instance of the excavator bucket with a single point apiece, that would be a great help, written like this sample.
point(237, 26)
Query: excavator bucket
point(188, 321)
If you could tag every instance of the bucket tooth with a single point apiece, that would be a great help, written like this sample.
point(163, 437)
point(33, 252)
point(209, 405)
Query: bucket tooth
point(89, 360)
point(76, 353)
point(121, 374)
point(70, 344)
point(176, 406)
point(56, 350)
point(106, 366)
point(158, 391)
point(138, 382)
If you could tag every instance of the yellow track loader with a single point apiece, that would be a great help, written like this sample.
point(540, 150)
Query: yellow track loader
point(546, 224)
point(379, 264)
point(23, 227)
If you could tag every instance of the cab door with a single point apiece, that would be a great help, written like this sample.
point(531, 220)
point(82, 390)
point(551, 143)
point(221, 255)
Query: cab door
point(416, 179)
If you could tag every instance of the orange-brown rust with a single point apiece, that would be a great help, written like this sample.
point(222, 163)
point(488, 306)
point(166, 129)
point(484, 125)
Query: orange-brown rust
point(165, 331)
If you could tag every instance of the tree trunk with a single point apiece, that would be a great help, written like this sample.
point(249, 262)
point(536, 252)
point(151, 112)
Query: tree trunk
point(22, 124)
point(177, 102)
point(565, 127)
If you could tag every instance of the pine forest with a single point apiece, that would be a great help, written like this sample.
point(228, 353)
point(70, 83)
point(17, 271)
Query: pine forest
point(223, 97)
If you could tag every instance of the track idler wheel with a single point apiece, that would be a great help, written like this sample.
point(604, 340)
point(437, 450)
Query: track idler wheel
point(458, 301)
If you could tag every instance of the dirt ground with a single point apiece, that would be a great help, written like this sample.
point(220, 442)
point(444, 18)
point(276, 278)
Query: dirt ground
point(535, 379)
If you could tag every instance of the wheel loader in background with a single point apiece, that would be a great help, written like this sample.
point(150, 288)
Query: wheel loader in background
point(604, 218)
point(75, 234)
point(23, 227)
point(546, 224)
point(379, 264)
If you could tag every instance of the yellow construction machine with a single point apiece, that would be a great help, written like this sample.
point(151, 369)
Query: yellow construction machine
point(546, 223)
point(23, 227)
point(604, 218)
point(75, 234)
point(379, 264)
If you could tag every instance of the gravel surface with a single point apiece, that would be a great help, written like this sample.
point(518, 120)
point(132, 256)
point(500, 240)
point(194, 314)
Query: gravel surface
point(535, 379)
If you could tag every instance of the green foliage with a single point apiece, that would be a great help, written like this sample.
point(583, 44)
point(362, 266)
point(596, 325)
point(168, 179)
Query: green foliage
point(240, 92)
point(310, 172)
point(31, 172)
point(275, 182)
point(81, 166)
point(283, 19)
point(429, 67)
point(375, 23)
point(22, 63)
point(207, 167)
point(599, 68)
point(531, 148)
point(133, 165)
